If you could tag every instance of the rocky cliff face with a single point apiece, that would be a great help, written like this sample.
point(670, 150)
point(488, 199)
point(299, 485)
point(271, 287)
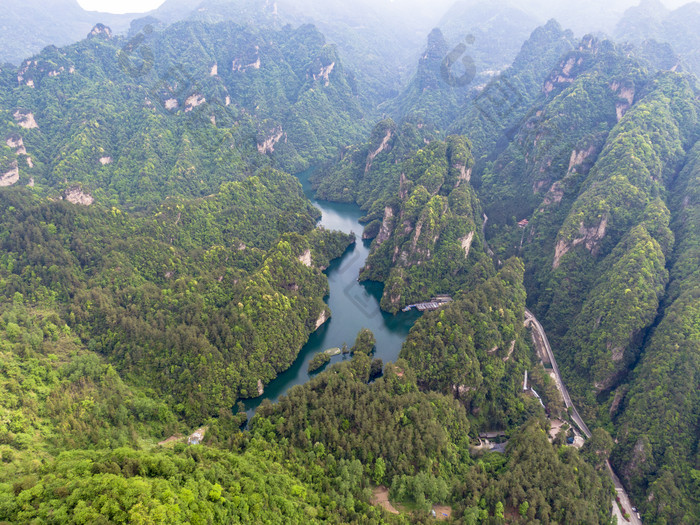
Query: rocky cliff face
point(430, 230)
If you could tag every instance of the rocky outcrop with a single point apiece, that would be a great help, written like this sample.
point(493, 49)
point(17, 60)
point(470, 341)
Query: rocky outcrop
point(324, 73)
point(241, 64)
point(171, 103)
point(564, 76)
point(416, 236)
point(642, 456)
point(25, 119)
point(261, 387)
point(383, 146)
point(197, 437)
point(467, 243)
point(23, 71)
point(214, 70)
point(625, 100)
point(100, 30)
point(578, 157)
point(77, 196)
point(16, 143)
point(305, 258)
point(11, 176)
point(193, 101)
point(387, 223)
point(322, 318)
point(589, 237)
point(403, 187)
point(465, 174)
point(617, 352)
point(554, 195)
point(462, 390)
point(268, 145)
point(105, 160)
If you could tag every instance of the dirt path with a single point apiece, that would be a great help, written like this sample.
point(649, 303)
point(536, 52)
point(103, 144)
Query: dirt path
point(442, 512)
point(556, 425)
point(381, 497)
point(172, 439)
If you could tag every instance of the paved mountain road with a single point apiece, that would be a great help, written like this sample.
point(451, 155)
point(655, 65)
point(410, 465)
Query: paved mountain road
point(540, 339)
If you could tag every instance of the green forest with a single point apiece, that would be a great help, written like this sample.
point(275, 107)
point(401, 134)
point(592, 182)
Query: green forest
point(161, 266)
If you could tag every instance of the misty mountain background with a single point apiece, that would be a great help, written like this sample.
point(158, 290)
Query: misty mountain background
point(380, 41)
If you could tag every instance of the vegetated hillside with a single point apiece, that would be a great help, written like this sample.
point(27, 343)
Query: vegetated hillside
point(651, 20)
point(207, 299)
point(658, 456)
point(592, 170)
point(428, 239)
point(197, 275)
point(497, 109)
point(588, 168)
point(174, 112)
point(430, 96)
point(369, 173)
point(77, 443)
point(588, 150)
point(617, 232)
point(417, 443)
point(574, 109)
point(377, 40)
point(476, 349)
point(451, 90)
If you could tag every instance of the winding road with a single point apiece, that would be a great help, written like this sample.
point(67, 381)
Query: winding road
point(542, 343)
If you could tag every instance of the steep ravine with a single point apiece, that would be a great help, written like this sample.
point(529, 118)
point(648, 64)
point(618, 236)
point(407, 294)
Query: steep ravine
point(353, 305)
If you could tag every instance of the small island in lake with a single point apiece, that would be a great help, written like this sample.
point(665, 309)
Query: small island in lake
point(319, 360)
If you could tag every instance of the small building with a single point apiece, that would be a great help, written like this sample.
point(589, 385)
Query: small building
point(523, 223)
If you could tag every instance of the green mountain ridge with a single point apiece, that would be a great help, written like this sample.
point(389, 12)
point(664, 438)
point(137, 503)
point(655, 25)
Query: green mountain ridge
point(204, 101)
point(158, 264)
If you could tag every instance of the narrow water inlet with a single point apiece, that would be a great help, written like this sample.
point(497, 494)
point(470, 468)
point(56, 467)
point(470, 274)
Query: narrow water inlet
point(353, 305)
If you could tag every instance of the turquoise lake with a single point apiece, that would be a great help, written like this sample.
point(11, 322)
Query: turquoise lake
point(353, 305)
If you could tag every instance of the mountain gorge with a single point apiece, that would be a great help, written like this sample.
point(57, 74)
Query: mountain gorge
point(160, 264)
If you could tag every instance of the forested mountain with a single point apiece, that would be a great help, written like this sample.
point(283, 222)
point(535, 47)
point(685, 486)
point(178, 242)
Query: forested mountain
point(651, 20)
point(423, 214)
point(659, 456)
point(158, 264)
point(203, 290)
point(430, 96)
point(416, 442)
point(476, 349)
point(376, 39)
point(586, 142)
point(178, 111)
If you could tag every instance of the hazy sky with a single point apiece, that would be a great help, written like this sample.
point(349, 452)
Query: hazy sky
point(141, 6)
point(120, 6)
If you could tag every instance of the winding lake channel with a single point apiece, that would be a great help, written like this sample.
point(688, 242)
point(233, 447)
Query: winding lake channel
point(354, 305)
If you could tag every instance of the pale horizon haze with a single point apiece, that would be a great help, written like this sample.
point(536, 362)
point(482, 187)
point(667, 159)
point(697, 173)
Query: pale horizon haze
point(143, 6)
